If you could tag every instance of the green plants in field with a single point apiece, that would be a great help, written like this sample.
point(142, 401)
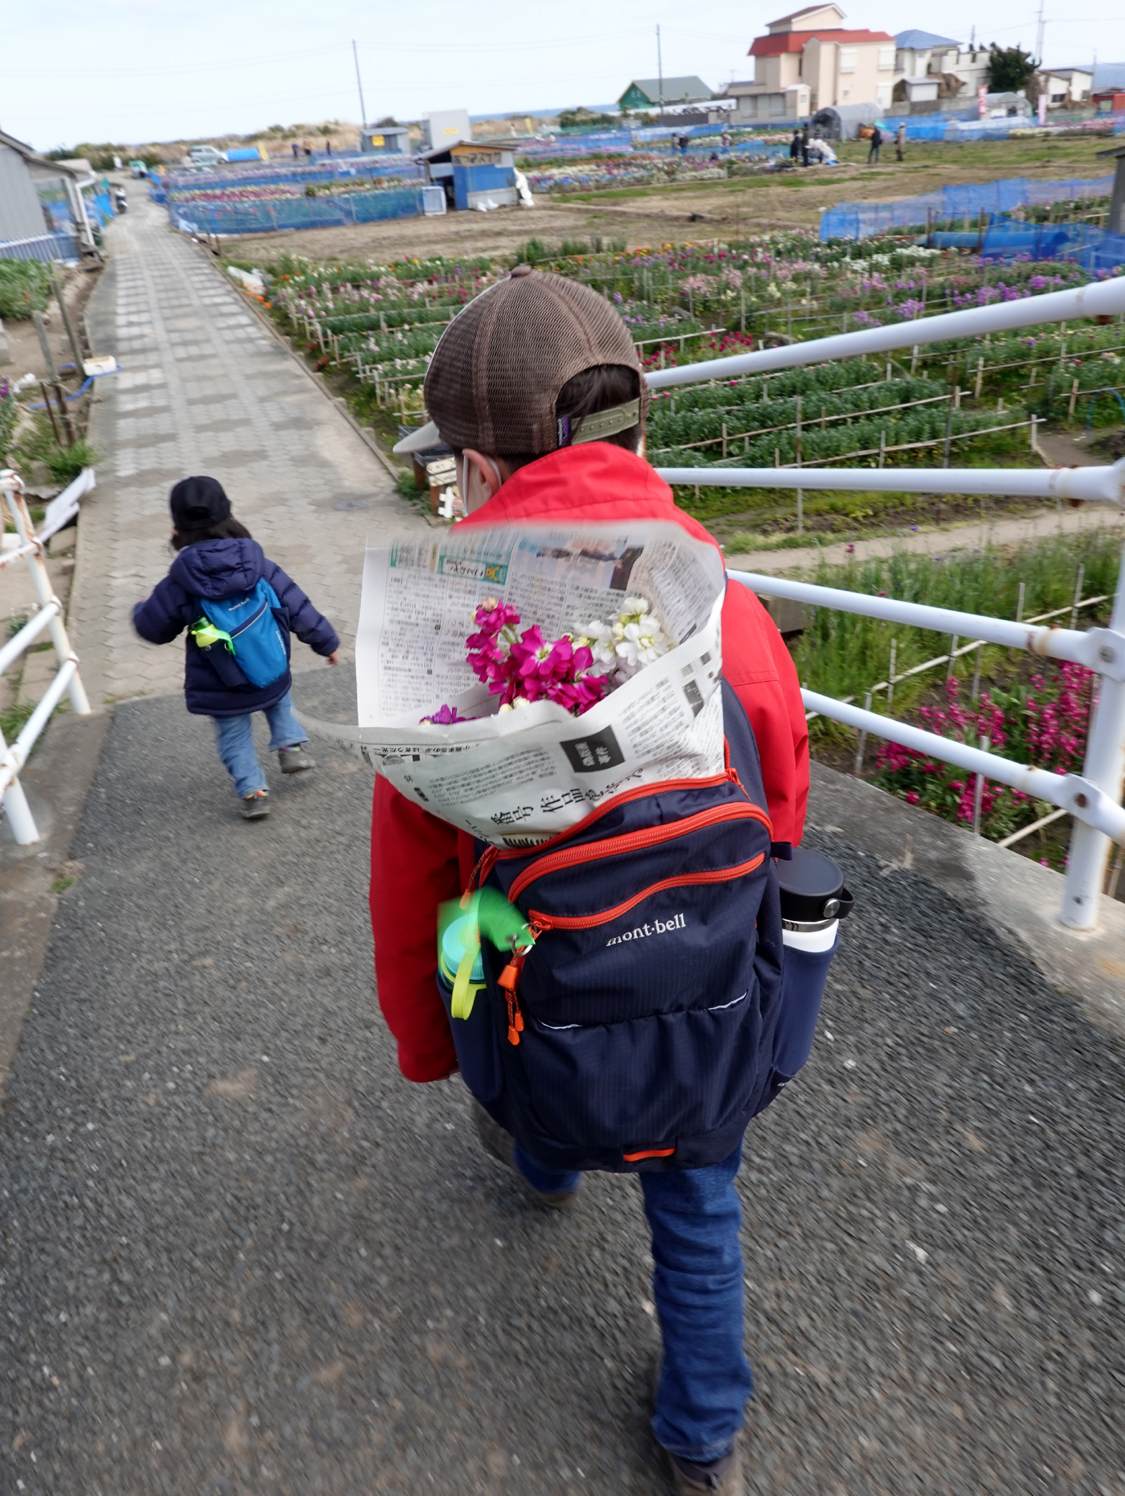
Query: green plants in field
point(843, 654)
point(25, 287)
point(63, 463)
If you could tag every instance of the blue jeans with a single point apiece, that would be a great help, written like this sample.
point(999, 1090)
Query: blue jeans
point(705, 1380)
point(236, 743)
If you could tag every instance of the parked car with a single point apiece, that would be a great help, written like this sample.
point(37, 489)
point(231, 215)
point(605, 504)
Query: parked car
point(206, 155)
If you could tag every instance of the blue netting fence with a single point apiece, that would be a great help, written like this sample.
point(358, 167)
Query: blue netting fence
point(863, 220)
point(299, 174)
point(272, 214)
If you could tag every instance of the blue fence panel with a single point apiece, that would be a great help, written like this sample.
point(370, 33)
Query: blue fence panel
point(45, 247)
point(300, 173)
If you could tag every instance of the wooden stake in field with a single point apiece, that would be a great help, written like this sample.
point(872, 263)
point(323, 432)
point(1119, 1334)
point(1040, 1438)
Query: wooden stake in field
point(862, 743)
point(891, 676)
point(72, 336)
point(980, 377)
point(1073, 399)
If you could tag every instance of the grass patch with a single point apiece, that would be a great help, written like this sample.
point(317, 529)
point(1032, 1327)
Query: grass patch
point(63, 463)
point(842, 654)
point(13, 719)
point(60, 885)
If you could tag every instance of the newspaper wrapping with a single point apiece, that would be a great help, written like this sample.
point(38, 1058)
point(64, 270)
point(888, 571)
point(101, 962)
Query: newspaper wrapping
point(517, 778)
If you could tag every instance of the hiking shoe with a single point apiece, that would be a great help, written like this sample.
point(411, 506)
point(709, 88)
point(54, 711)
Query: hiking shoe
point(502, 1146)
point(256, 805)
point(295, 760)
point(719, 1478)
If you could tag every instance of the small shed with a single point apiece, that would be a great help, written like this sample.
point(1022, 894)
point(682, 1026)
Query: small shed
point(473, 175)
point(384, 140)
point(1115, 224)
point(39, 197)
point(843, 121)
point(651, 93)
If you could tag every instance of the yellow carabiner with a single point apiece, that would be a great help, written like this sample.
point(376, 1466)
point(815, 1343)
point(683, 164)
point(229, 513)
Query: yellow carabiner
point(464, 989)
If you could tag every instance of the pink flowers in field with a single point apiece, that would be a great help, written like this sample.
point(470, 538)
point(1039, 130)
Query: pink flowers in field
point(1044, 724)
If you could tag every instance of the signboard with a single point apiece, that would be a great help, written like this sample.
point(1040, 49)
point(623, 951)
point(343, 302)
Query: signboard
point(982, 100)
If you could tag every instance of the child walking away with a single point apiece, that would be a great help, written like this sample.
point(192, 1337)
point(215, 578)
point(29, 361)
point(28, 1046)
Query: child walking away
point(239, 609)
point(647, 1045)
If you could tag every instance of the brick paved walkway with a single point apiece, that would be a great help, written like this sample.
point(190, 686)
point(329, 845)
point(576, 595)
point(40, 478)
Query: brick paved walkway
point(205, 388)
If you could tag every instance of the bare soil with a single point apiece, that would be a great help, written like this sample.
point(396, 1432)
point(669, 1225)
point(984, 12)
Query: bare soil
point(681, 212)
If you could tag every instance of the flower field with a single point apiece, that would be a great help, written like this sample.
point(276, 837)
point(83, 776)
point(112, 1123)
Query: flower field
point(376, 327)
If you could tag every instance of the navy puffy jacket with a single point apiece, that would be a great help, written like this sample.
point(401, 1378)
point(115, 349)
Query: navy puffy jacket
point(216, 569)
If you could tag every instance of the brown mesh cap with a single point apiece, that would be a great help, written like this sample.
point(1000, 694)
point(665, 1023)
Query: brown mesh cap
point(495, 376)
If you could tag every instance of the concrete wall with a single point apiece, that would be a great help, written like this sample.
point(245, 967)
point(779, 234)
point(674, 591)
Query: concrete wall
point(20, 214)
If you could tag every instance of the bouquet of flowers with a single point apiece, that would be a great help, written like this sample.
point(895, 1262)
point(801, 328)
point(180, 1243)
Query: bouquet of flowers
point(576, 670)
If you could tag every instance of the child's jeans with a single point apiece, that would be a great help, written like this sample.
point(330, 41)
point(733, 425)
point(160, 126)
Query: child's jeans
point(236, 743)
point(705, 1379)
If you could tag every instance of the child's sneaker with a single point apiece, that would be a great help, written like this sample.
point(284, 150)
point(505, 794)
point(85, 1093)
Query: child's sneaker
point(255, 805)
point(502, 1146)
point(295, 760)
point(721, 1477)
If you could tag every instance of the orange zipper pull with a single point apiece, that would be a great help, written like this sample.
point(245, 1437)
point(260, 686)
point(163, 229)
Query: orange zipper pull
point(509, 979)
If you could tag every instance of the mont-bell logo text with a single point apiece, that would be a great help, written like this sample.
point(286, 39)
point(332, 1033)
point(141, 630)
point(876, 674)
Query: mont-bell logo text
point(657, 927)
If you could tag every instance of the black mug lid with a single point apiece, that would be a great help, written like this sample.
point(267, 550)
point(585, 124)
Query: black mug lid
point(812, 888)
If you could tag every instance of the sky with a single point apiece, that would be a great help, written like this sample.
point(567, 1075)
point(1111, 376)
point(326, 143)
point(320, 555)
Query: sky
point(151, 70)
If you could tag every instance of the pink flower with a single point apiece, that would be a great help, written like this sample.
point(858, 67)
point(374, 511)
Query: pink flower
point(446, 715)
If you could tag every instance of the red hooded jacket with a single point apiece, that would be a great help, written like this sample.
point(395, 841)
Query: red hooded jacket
point(418, 862)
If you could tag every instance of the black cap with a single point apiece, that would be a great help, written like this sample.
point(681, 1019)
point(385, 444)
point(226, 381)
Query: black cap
point(198, 504)
point(812, 888)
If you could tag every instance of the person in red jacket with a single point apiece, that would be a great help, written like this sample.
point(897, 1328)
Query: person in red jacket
point(537, 388)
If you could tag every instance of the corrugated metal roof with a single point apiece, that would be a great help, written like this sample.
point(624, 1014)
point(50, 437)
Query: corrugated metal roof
point(918, 41)
point(674, 89)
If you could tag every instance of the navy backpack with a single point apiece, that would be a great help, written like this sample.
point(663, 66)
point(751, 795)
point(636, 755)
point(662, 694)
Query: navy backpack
point(638, 1032)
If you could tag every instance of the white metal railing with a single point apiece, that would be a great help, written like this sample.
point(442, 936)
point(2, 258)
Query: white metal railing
point(1098, 299)
point(1093, 797)
point(48, 619)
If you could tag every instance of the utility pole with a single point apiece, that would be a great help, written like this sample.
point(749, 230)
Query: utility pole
point(1039, 38)
point(359, 85)
point(660, 71)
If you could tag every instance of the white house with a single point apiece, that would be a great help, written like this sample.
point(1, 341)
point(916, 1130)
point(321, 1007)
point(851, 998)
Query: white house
point(809, 60)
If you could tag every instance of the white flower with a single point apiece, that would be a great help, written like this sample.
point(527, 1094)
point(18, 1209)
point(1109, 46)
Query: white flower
point(641, 643)
point(598, 638)
point(517, 705)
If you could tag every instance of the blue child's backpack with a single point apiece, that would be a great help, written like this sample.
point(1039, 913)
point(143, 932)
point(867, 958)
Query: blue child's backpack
point(638, 1030)
point(245, 625)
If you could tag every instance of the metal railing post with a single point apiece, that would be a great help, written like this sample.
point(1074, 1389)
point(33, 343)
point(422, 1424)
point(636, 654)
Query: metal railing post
point(16, 808)
point(12, 489)
point(1104, 766)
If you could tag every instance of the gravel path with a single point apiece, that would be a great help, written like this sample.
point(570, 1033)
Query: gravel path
point(240, 1255)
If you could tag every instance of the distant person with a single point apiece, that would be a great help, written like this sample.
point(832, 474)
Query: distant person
point(876, 142)
point(805, 144)
point(327, 147)
point(726, 140)
point(900, 141)
point(306, 146)
point(239, 609)
point(683, 145)
point(795, 144)
point(296, 150)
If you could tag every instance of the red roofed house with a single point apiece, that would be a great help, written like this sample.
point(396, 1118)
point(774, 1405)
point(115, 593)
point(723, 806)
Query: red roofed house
point(809, 60)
